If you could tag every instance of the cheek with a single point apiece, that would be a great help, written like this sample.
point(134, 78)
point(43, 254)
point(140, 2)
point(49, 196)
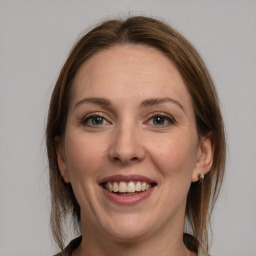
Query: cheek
point(84, 155)
point(175, 156)
point(175, 162)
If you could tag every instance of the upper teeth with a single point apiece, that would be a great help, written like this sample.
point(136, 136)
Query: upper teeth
point(130, 186)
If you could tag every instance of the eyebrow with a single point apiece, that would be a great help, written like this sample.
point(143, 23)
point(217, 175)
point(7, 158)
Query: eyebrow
point(157, 101)
point(96, 101)
point(144, 104)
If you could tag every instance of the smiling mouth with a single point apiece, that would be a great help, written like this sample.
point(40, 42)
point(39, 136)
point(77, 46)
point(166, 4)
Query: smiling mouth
point(130, 188)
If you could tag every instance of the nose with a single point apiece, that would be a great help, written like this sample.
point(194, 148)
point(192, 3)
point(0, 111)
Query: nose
point(126, 146)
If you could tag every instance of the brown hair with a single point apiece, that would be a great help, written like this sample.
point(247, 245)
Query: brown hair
point(154, 33)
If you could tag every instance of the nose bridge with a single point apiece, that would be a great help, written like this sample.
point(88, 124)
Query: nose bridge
point(126, 143)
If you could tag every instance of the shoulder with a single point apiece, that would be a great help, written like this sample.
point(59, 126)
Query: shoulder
point(58, 254)
point(71, 247)
point(201, 252)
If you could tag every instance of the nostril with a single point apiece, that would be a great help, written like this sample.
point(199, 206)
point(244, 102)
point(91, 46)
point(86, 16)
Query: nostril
point(117, 158)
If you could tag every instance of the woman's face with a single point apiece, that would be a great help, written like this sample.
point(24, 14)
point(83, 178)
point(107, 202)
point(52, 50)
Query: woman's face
point(131, 148)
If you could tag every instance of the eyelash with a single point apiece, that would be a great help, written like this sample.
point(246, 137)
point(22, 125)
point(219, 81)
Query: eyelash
point(89, 117)
point(166, 117)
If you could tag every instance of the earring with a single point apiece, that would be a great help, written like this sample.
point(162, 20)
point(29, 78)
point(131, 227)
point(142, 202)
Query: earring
point(201, 178)
point(66, 180)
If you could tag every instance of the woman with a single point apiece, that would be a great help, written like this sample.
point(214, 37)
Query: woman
point(135, 142)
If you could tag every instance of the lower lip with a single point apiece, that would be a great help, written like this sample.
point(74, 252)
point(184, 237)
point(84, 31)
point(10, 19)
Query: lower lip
point(127, 200)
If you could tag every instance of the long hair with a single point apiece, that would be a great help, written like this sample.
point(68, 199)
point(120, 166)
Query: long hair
point(146, 31)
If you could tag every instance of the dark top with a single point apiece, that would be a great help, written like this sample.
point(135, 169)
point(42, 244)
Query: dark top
point(76, 242)
point(71, 247)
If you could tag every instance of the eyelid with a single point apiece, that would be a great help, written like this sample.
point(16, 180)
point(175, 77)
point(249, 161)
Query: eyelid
point(95, 114)
point(158, 113)
point(162, 114)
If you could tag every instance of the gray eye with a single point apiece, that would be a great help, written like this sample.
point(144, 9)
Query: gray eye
point(94, 121)
point(97, 120)
point(159, 120)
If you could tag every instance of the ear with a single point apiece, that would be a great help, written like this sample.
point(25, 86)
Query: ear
point(61, 158)
point(204, 158)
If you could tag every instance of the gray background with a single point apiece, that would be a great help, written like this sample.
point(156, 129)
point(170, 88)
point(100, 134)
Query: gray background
point(35, 38)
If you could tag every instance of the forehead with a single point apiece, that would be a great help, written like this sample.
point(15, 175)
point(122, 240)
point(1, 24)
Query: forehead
point(130, 70)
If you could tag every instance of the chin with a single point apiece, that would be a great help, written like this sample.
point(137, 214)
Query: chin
point(128, 229)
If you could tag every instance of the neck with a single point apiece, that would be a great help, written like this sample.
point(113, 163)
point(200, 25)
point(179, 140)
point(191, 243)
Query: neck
point(162, 244)
point(103, 248)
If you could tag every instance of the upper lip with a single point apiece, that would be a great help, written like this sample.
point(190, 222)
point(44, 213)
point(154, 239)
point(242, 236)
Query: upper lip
point(126, 178)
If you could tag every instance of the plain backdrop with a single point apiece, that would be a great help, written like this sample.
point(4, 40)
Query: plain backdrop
point(35, 38)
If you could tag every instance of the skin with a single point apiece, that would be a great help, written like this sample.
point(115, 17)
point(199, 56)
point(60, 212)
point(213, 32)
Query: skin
point(129, 141)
